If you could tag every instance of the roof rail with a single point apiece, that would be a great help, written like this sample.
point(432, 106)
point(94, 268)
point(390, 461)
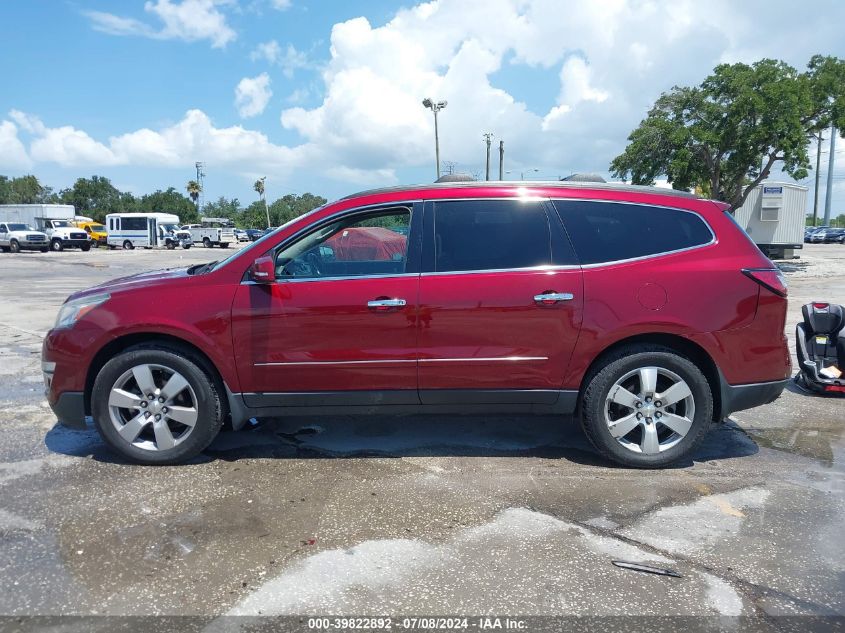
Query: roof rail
point(535, 184)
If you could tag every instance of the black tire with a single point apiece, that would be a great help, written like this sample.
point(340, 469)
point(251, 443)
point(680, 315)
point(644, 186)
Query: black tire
point(210, 408)
point(224, 244)
point(45, 249)
point(128, 246)
point(170, 245)
point(112, 247)
point(615, 367)
point(186, 246)
point(14, 246)
point(85, 248)
point(206, 242)
point(57, 246)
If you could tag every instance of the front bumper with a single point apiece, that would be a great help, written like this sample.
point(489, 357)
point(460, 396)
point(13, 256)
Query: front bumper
point(76, 243)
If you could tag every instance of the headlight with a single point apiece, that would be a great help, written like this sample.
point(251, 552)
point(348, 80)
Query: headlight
point(72, 311)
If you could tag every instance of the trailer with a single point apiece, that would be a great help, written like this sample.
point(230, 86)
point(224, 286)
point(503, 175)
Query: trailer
point(212, 232)
point(55, 220)
point(774, 215)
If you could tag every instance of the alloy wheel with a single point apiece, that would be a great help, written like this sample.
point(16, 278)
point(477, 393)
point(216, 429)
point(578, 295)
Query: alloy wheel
point(649, 410)
point(153, 407)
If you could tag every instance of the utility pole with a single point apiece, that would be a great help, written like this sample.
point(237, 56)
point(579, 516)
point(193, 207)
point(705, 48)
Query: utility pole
point(487, 138)
point(501, 160)
point(818, 165)
point(435, 108)
point(200, 176)
point(830, 160)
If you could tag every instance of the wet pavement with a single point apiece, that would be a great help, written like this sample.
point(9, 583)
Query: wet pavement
point(411, 514)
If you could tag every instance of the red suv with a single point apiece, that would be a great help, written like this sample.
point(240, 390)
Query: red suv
point(646, 312)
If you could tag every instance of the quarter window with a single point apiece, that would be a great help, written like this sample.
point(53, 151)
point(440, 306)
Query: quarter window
point(490, 235)
point(372, 244)
point(610, 231)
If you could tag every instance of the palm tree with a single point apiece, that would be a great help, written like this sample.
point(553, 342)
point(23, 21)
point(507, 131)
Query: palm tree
point(194, 191)
point(259, 189)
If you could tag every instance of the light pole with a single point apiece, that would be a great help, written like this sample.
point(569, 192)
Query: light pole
point(487, 138)
point(435, 107)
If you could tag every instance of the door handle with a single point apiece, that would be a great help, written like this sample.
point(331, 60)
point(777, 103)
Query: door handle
point(550, 298)
point(383, 304)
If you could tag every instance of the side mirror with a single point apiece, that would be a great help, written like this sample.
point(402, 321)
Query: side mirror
point(263, 270)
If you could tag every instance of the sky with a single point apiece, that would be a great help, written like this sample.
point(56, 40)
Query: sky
point(325, 96)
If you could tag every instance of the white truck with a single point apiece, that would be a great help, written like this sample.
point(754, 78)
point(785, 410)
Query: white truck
point(212, 232)
point(55, 220)
point(17, 237)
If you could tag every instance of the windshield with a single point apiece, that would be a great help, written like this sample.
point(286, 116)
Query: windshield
point(168, 228)
point(19, 227)
point(262, 240)
point(61, 223)
point(98, 228)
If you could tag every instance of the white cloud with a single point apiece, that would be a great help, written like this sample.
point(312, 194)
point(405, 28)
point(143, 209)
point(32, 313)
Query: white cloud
point(252, 94)
point(13, 154)
point(290, 60)
point(605, 62)
point(189, 20)
point(281, 5)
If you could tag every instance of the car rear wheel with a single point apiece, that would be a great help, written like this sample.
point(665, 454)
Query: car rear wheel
point(128, 246)
point(155, 406)
point(14, 246)
point(170, 245)
point(206, 242)
point(646, 407)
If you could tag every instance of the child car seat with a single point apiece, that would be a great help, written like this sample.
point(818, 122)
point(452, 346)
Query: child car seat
point(820, 344)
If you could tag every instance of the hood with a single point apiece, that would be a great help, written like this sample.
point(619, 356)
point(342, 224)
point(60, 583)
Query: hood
point(132, 282)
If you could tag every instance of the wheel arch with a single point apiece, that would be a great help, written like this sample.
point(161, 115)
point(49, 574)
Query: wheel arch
point(152, 339)
point(690, 349)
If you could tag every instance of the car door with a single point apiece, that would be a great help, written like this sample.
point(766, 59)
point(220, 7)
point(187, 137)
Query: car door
point(3, 233)
point(338, 326)
point(500, 303)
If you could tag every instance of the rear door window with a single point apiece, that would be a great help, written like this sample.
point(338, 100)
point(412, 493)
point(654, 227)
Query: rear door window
point(604, 232)
point(472, 235)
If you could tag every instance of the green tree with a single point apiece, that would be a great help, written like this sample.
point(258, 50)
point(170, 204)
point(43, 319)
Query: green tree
point(169, 201)
point(23, 190)
point(96, 197)
point(223, 208)
point(725, 136)
point(194, 189)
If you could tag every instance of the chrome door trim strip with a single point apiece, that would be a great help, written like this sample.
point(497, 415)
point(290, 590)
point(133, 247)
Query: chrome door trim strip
point(499, 359)
point(336, 362)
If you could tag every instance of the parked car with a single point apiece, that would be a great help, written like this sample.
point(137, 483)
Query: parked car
point(818, 236)
point(16, 237)
point(646, 312)
point(833, 235)
point(241, 235)
point(254, 234)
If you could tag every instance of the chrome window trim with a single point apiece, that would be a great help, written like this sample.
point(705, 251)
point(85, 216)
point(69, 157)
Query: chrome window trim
point(506, 359)
point(713, 239)
point(409, 205)
point(543, 268)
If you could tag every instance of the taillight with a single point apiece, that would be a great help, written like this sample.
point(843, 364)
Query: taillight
point(770, 278)
point(818, 305)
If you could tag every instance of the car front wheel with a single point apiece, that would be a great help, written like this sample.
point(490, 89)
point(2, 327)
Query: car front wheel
point(155, 406)
point(646, 407)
